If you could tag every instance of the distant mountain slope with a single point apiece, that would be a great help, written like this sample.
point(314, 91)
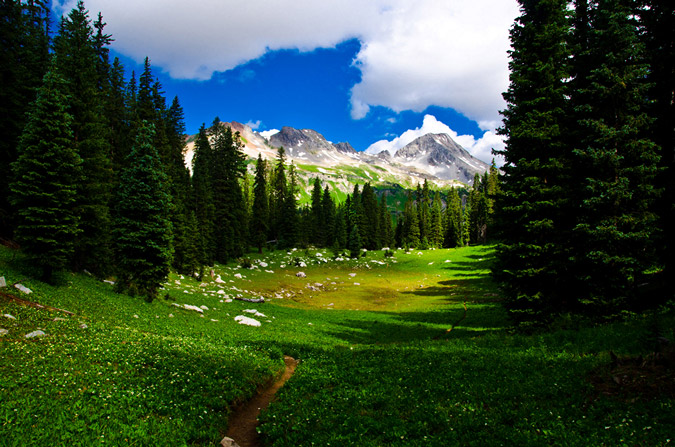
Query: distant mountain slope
point(432, 157)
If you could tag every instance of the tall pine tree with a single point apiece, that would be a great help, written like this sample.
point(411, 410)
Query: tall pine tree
point(45, 176)
point(142, 226)
point(531, 258)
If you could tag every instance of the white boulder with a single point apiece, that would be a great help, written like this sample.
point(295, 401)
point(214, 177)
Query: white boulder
point(241, 319)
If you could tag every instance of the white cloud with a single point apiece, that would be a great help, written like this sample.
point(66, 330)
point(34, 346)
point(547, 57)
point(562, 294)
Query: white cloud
point(254, 125)
point(450, 54)
point(415, 53)
point(481, 148)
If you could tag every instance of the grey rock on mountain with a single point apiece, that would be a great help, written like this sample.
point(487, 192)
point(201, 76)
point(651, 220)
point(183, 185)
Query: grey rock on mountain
point(442, 157)
point(345, 148)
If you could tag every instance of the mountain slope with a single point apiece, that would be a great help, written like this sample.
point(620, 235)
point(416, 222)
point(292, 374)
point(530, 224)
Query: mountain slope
point(435, 158)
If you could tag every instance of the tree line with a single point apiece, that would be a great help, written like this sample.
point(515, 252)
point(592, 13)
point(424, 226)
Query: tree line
point(586, 208)
point(93, 173)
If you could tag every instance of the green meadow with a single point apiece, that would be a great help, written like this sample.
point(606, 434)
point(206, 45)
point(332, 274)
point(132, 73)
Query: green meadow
point(412, 349)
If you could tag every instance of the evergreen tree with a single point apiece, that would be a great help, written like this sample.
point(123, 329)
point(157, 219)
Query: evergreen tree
point(142, 228)
point(316, 229)
point(45, 176)
point(278, 195)
point(385, 223)
point(341, 232)
point(77, 63)
point(453, 220)
point(179, 188)
point(659, 21)
point(260, 212)
point(202, 196)
point(615, 161)
point(410, 236)
point(534, 214)
point(24, 59)
point(371, 221)
point(228, 167)
point(436, 222)
point(328, 218)
point(289, 228)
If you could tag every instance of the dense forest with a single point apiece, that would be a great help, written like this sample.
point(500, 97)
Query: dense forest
point(94, 177)
point(586, 209)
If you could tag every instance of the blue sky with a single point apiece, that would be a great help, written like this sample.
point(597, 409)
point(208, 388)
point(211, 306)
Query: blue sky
point(376, 73)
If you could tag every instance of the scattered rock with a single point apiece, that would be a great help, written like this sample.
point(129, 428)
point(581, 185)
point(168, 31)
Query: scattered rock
point(241, 319)
point(23, 288)
point(219, 280)
point(301, 275)
point(352, 274)
point(195, 308)
point(238, 275)
point(36, 334)
point(251, 300)
point(203, 307)
point(263, 264)
point(269, 271)
point(3, 283)
point(357, 283)
point(83, 326)
point(170, 315)
point(228, 442)
point(59, 319)
point(255, 312)
point(135, 316)
point(3, 332)
point(447, 260)
point(431, 263)
point(301, 264)
point(107, 281)
point(11, 317)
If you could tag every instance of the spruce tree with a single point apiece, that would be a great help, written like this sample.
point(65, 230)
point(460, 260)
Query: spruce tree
point(316, 227)
point(328, 218)
point(142, 226)
point(260, 212)
point(453, 220)
point(659, 22)
point(387, 231)
point(371, 218)
point(202, 196)
point(45, 176)
point(24, 59)
point(436, 222)
point(77, 63)
point(227, 169)
point(616, 163)
point(278, 196)
point(534, 216)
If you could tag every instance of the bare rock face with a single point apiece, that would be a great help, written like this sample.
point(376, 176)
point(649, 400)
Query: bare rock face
point(299, 142)
point(441, 156)
point(345, 148)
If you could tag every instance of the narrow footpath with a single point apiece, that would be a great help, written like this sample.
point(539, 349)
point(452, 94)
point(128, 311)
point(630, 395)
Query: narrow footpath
point(243, 422)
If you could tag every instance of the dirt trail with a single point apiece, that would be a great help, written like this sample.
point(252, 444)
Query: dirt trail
point(244, 420)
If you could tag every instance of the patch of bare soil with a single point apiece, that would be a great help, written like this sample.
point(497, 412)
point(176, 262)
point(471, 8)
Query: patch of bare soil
point(244, 420)
point(637, 378)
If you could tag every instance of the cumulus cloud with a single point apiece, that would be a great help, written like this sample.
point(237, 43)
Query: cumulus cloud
point(480, 148)
point(414, 53)
point(254, 125)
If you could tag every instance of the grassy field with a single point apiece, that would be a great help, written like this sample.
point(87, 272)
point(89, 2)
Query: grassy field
point(378, 364)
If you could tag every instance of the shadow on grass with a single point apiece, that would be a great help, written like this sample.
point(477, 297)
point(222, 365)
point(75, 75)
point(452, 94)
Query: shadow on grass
point(483, 315)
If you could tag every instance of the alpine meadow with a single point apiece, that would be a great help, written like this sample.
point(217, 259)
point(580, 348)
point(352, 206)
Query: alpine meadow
point(163, 284)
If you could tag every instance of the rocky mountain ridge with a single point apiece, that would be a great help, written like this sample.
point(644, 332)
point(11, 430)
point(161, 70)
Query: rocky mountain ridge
point(432, 157)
